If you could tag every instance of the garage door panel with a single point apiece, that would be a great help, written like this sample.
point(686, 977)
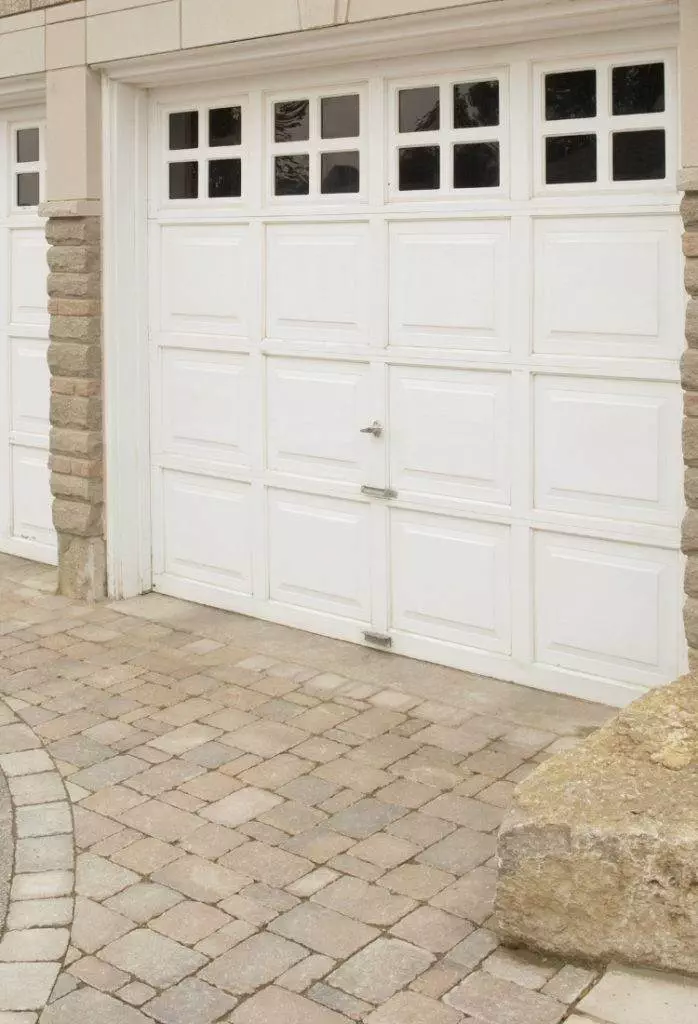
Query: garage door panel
point(449, 284)
point(318, 282)
point(28, 273)
point(450, 433)
point(451, 579)
point(606, 607)
point(319, 551)
point(206, 405)
point(31, 496)
point(205, 279)
point(29, 387)
point(207, 530)
point(607, 287)
point(315, 411)
point(608, 448)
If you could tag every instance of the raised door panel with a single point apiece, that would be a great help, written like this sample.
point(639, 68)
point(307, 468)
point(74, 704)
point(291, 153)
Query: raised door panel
point(207, 530)
point(31, 496)
point(318, 282)
point(607, 607)
point(205, 280)
point(206, 405)
point(315, 412)
point(319, 554)
point(609, 448)
point(608, 287)
point(29, 387)
point(28, 273)
point(450, 433)
point(451, 579)
point(449, 284)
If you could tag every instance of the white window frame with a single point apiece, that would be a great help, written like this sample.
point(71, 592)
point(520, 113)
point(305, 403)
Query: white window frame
point(33, 167)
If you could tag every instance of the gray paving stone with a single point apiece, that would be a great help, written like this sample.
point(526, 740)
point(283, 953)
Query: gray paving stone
point(152, 958)
point(44, 853)
point(471, 896)
point(460, 852)
point(323, 930)
point(412, 1008)
point(242, 806)
point(43, 820)
point(201, 879)
point(342, 1002)
point(380, 970)
point(144, 900)
point(357, 898)
point(37, 789)
point(33, 944)
point(629, 996)
point(36, 913)
point(465, 811)
point(89, 1005)
point(190, 1002)
point(473, 949)
point(495, 1001)
point(432, 929)
point(529, 970)
point(97, 878)
point(95, 926)
point(109, 772)
point(278, 1006)
point(26, 986)
point(570, 983)
point(267, 864)
point(255, 962)
point(158, 819)
point(302, 976)
point(189, 922)
point(364, 818)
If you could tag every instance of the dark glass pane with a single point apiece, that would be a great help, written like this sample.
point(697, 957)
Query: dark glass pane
point(28, 189)
point(292, 175)
point(420, 168)
point(476, 105)
point(184, 180)
point(570, 94)
point(638, 89)
point(27, 145)
point(419, 109)
point(339, 172)
point(224, 178)
point(639, 156)
point(292, 121)
point(340, 117)
point(184, 130)
point(476, 165)
point(225, 126)
point(570, 158)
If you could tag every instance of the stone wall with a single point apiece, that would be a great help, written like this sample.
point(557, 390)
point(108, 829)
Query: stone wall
point(21, 6)
point(75, 361)
point(689, 209)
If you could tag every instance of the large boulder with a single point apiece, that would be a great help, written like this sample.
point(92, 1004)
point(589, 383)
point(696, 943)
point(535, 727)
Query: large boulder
point(599, 855)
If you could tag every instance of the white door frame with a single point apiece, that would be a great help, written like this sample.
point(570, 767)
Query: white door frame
point(126, 341)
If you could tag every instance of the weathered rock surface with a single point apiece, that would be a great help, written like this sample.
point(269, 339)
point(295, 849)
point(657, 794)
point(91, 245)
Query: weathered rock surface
point(599, 855)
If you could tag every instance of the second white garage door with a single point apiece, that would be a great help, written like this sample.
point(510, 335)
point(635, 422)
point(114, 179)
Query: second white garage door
point(415, 361)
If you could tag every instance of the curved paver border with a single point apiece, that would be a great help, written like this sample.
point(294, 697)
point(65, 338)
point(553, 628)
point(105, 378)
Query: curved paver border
point(41, 877)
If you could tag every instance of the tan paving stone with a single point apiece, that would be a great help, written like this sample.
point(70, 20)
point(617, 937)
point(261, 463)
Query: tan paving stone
point(471, 896)
point(136, 993)
point(266, 738)
point(34, 944)
point(323, 930)
point(44, 853)
point(98, 878)
point(160, 820)
point(241, 806)
point(98, 974)
point(36, 913)
point(266, 864)
point(146, 855)
point(488, 998)
point(112, 801)
point(43, 819)
point(440, 978)
point(36, 789)
point(368, 903)
point(364, 818)
point(143, 901)
point(342, 1002)
point(212, 841)
point(26, 986)
point(432, 929)
point(255, 962)
point(189, 922)
point(87, 1004)
point(190, 1002)
point(464, 811)
point(200, 879)
point(274, 1005)
point(152, 958)
point(384, 851)
point(380, 970)
point(521, 967)
point(302, 976)
point(460, 852)
point(41, 885)
point(95, 926)
point(165, 776)
point(419, 881)
point(412, 1008)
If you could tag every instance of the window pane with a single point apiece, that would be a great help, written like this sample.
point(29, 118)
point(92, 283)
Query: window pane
point(419, 168)
point(28, 189)
point(476, 165)
point(570, 94)
point(419, 109)
point(570, 158)
point(638, 89)
point(27, 145)
point(340, 117)
point(476, 105)
point(292, 121)
point(224, 178)
point(184, 180)
point(639, 156)
point(340, 172)
point(225, 126)
point(184, 130)
point(292, 175)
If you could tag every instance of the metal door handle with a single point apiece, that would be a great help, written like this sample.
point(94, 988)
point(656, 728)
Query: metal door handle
point(378, 492)
point(376, 429)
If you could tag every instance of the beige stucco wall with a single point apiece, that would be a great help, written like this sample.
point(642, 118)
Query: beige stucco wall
point(689, 87)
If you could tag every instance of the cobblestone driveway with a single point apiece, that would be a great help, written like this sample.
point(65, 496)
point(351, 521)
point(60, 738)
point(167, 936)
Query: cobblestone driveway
point(266, 827)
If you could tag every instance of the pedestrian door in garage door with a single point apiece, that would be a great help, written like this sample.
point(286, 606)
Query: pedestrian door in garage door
point(414, 359)
point(26, 526)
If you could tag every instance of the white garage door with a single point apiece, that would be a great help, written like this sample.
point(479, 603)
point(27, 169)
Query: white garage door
point(26, 527)
point(414, 362)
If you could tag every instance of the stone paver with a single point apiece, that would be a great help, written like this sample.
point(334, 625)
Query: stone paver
point(268, 827)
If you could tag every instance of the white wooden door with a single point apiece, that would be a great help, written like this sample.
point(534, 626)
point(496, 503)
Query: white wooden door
point(26, 526)
point(415, 349)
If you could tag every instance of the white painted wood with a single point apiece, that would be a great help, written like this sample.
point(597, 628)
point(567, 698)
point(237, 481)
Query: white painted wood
point(26, 526)
point(456, 323)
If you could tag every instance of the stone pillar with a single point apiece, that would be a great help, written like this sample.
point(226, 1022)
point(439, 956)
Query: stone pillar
point(73, 231)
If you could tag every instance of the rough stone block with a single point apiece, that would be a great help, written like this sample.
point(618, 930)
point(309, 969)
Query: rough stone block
point(77, 518)
point(599, 855)
point(87, 329)
point(73, 230)
point(689, 531)
point(691, 276)
point(71, 411)
point(73, 259)
point(81, 443)
point(82, 570)
point(87, 489)
point(690, 441)
point(692, 323)
point(74, 285)
point(689, 209)
point(72, 359)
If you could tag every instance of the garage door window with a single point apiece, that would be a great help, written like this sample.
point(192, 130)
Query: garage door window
point(604, 125)
point(316, 146)
point(204, 153)
point(28, 171)
point(447, 137)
